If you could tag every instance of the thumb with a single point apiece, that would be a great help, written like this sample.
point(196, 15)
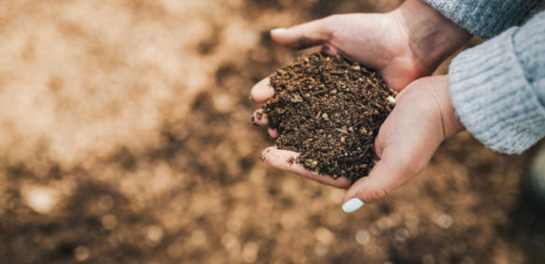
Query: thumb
point(305, 35)
point(387, 175)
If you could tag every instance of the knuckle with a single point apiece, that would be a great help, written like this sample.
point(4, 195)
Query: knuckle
point(372, 195)
point(333, 18)
point(329, 25)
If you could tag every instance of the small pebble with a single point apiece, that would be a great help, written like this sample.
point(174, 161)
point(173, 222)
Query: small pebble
point(391, 99)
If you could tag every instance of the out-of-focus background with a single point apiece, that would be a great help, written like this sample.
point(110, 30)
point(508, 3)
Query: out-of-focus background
point(125, 138)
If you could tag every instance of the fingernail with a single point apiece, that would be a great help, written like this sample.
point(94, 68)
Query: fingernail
point(277, 30)
point(352, 205)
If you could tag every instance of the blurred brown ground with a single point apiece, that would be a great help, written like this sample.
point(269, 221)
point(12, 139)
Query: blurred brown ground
point(126, 139)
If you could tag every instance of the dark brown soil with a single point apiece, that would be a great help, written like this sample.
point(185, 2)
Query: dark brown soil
point(330, 110)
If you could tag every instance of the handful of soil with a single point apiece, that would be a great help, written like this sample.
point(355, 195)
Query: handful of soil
point(330, 111)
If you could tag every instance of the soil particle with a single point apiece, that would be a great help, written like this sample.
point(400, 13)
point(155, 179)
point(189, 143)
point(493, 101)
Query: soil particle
point(329, 110)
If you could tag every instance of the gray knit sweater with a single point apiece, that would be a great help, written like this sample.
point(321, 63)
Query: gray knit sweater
point(498, 88)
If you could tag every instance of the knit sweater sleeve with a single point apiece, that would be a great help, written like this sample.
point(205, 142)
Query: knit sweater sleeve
point(498, 88)
point(486, 18)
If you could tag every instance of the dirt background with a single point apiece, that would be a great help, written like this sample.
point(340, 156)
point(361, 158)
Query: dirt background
point(125, 138)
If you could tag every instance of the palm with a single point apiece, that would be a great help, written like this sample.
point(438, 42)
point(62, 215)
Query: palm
point(422, 119)
point(384, 46)
point(409, 137)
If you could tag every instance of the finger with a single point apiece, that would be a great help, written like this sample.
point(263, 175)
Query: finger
point(262, 91)
point(286, 160)
point(259, 118)
point(330, 50)
point(388, 174)
point(273, 133)
point(305, 35)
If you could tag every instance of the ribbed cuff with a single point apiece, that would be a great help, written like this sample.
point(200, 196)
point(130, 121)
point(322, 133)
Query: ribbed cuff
point(486, 18)
point(493, 99)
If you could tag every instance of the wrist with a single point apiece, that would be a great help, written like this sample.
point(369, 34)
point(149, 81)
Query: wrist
point(450, 122)
point(431, 36)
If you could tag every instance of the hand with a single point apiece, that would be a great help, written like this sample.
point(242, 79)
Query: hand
point(403, 45)
point(422, 119)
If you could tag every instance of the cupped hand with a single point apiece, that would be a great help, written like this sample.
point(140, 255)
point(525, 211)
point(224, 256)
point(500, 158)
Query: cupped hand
point(378, 41)
point(403, 45)
point(422, 118)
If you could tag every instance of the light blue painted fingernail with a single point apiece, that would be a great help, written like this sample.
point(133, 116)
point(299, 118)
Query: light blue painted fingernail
point(352, 205)
point(277, 30)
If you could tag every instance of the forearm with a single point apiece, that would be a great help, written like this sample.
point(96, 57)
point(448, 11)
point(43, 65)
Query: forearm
point(498, 88)
point(432, 37)
point(529, 47)
point(486, 18)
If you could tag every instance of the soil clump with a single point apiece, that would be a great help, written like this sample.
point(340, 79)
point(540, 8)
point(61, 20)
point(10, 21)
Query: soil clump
point(329, 110)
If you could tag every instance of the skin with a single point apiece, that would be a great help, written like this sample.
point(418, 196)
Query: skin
point(404, 46)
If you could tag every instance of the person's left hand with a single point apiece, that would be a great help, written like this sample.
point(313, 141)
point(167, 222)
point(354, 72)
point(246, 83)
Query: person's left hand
point(422, 118)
